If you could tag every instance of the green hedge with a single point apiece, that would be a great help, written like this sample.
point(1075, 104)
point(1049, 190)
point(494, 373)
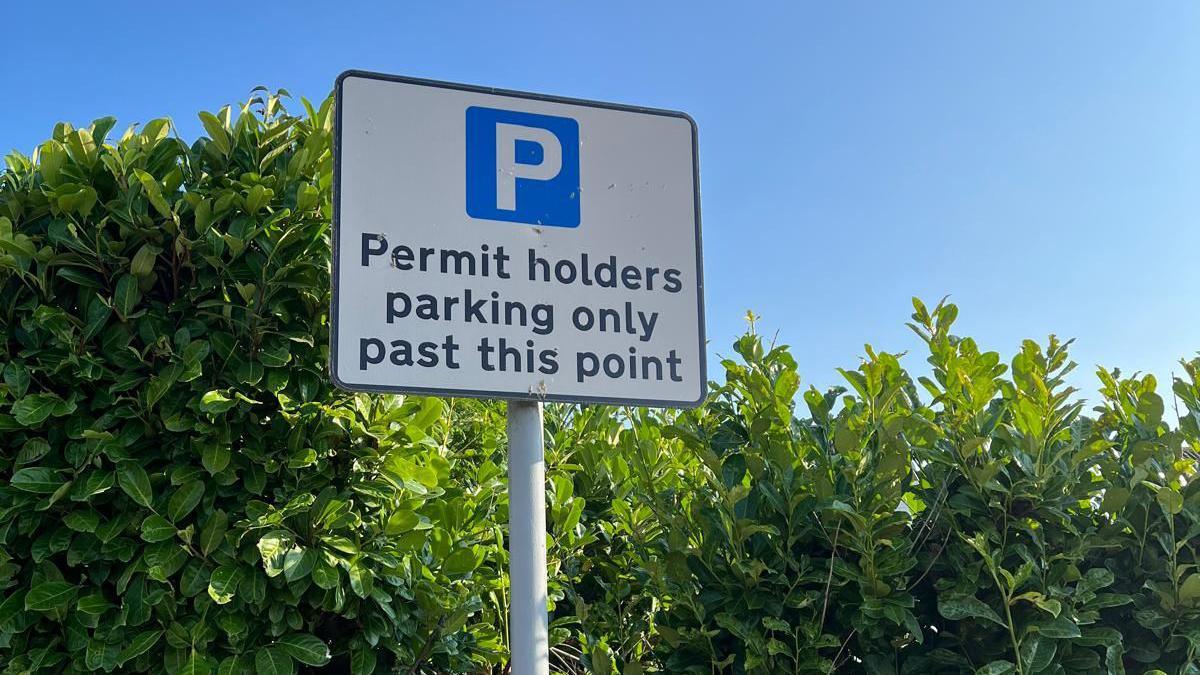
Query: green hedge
point(183, 491)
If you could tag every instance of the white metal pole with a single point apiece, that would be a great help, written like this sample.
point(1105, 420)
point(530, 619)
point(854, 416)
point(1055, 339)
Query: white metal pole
point(528, 622)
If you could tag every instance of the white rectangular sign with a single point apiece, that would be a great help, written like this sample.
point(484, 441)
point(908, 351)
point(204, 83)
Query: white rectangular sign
point(500, 244)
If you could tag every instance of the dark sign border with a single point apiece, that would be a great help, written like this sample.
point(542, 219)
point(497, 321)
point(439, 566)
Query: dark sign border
point(475, 393)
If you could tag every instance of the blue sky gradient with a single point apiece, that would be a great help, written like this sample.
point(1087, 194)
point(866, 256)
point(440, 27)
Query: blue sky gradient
point(1039, 162)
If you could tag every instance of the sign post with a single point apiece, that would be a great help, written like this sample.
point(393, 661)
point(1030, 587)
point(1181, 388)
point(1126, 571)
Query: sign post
point(529, 625)
point(500, 244)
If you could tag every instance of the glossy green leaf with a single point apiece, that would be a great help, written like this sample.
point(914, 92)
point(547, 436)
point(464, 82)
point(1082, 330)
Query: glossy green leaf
point(223, 584)
point(11, 607)
point(186, 497)
point(462, 561)
point(325, 576)
point(95, 604)
point(362, 581)
point(135, 482)
point(1189, 590)
point(305, 648)
point(1061, 627)
point(196, 664)
point(41, 480)
point(297, 563)
point(362, 661)
point(215, 402)
point(126, 296)
point(155, 528)
point(140, 644)
point(34, 409)
point(215, 458)
point(272, 548)
point(142, 263)
point(1170, 500)
point(964, 606)
point(33, 450)
point(402, 521)
point(49, 596)
point(213, 533)
point(216, 131)
point(273, 661)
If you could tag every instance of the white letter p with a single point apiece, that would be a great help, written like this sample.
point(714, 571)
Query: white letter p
point(508, 170)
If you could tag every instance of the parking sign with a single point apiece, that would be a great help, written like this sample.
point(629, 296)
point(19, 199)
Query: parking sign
point(508, 245)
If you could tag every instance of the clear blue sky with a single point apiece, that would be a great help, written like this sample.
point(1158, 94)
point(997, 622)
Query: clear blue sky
point(1040, 162)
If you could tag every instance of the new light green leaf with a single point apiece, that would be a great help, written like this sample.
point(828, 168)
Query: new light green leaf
point(362, 580)
point(1189, 590)
point(216, 131)
point(215, 402)
point(153, 193)
point(402, 521)
point(462, 561)
point(272, 547)
point(223, 584)
point(1170, 500)
point(142, 263)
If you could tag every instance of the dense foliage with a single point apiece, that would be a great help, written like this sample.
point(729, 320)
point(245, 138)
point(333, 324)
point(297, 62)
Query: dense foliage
point(182, 491)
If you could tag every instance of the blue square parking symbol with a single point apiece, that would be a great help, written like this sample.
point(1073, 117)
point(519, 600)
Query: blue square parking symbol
point(522, 167)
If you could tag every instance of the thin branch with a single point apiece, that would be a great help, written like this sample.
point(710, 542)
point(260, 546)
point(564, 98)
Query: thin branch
point(845, 643)
point(829, 579)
